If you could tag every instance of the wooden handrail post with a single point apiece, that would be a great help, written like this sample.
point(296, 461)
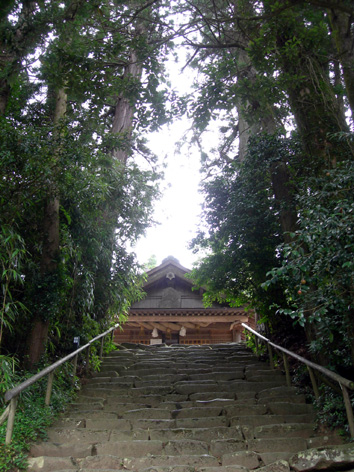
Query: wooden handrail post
point(87, 358)
point(256, 343)
point(348, 408)
point(49, 387)
point(314, 383)
point(101, 348)
point(11, 420)
point(74, 367)
point(112, 335)
point(287, 370)
point(271, 360)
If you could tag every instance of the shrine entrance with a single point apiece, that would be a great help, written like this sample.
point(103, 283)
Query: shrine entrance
point(173, 313)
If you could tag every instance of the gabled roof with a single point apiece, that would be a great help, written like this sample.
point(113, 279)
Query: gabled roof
point(170, 265)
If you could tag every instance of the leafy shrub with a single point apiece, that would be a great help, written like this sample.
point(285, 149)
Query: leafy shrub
point(32, 416)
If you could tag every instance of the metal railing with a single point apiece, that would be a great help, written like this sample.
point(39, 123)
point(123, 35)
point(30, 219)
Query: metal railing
point(344, 383)
point(12, 395)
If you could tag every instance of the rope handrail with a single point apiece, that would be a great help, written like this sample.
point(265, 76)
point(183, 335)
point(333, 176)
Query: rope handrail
point(12, 395)
point(344, 383)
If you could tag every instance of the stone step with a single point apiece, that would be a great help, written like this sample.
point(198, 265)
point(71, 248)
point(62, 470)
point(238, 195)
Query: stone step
point(218, 375)
point(202, 434)
point(263, 420)
point(194, 461)
point(197, 412)
point(183, 462)
point(49, 464)
point(148, 413)
point(181, 409)
point(67, 449)
point(285, 408)
point(213, 395)
point(210, 422)
point(304, 430)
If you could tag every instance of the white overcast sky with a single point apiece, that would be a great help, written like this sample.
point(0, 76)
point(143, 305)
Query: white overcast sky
point(178, 210)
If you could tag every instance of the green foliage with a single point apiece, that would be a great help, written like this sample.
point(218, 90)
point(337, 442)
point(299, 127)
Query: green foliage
point(12, 254)
point(32, 416)
point(243, 233)
point(8, 378)
point(317, 267)
point(331, 410)
point(105, 206)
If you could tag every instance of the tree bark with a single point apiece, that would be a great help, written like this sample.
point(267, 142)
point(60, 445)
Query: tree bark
point(342, 25)
point(124, 111)
point(50, 244)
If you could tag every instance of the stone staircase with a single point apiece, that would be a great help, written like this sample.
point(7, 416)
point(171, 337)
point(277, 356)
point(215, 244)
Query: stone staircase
point(182, 409)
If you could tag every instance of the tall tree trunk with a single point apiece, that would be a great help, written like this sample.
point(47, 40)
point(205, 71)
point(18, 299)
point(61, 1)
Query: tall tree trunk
point(342, 31)
point(50, 243)
point(312, 100)
point(124, 110)
point(280, 178)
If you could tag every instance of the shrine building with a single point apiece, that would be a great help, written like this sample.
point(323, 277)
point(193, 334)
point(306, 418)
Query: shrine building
point(173, 313)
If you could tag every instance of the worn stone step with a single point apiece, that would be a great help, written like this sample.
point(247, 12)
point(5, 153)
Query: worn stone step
point(104, 424)
point(137, 448)
point(196, 412)
point(303, 430)
point(194, 460)
point(219, 447)
point(228, 468)
point(98, 406)
point(183, 462)
point(125, 381)
point(183, 409)
point(51, 464)
point(280, 379)
point(67, 449)
point(252, 387)
point(151, 390)
point(169, 377)
point(188, 388)
point(89, 399)
point(91, 414)
point(269, 419)
point(216, 402)
point(62, 435)
point(203, 434)
point(148, 413)
point(155, 371)
point(210, 422)
point(277, 466)
point(185, 447)
point(113, 405)
point(244, 410)
point(130, 435)
point(277, 444)
point(152, 423)
point(248, 459)
point(154, 383)
point(237, 374)
point(214, 395)
point(269, 458)
point(105, 373)
point(284, 408)
point(295, 398)
point(278, 391)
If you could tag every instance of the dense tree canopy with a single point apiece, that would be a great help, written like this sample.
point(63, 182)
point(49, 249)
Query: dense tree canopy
point(81, 83)
point(279, 209)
